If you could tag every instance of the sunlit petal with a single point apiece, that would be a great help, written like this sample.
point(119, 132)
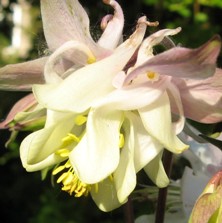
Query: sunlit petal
point(97, 155)
point(157, 121)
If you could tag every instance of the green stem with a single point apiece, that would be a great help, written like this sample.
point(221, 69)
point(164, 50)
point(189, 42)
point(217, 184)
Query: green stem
point(128, 211)
point(161, 202)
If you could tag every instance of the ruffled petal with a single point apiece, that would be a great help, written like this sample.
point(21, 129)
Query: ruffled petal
point(97, 155)
point(156, 118)
point(72, 23)
point(77, 92)
point(113, 30)
point(202, 100)
point(155, 170)
point(181, 62)
point(21, 76)
point(106, 196)
point(37, 150)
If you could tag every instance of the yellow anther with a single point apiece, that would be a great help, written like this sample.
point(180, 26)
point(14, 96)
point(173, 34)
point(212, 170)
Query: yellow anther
point(63, 152)
point(58, 169)
point(69, 139)
point(68, 179)
point(121, 140)
point(67, 164)
point(80, 120)
point(66, 188)
point(91, 60)
point(62, 177)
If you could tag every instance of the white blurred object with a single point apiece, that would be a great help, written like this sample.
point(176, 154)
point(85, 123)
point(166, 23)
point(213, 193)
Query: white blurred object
point(21, 40)
point(206, 160)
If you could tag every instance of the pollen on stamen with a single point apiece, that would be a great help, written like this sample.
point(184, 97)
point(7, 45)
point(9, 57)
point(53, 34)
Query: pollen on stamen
point(152, 76)
point(80, 120)
point(91, 60)
point(121, 140)
point(63, 152)
point(70, 138)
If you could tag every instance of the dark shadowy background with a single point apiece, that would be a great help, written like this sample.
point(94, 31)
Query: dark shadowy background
point(24, 197)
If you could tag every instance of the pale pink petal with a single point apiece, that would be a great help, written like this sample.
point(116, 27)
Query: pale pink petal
point(202, 100)
point(181, 62)
point(113, 30)
point(22, 105)
point(64, 21)
point(21, 76)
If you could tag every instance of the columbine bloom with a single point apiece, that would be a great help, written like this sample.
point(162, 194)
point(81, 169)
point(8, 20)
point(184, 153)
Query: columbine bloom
point(109, 114)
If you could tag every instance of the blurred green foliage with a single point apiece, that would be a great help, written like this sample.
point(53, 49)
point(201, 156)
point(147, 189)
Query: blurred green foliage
point(24, 197)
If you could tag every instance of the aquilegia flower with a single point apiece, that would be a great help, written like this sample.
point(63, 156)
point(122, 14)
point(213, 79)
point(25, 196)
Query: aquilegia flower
point(108, 104)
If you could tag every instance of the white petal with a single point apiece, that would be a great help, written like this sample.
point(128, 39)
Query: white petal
point(37, 150)
point(156, 118)
point(125, 174)
point(146, 147)
point(156, 172)
point(106, 196)
point(97, 155)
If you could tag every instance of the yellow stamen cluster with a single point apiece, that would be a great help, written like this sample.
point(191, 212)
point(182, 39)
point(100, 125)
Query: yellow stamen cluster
point(71, 183)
